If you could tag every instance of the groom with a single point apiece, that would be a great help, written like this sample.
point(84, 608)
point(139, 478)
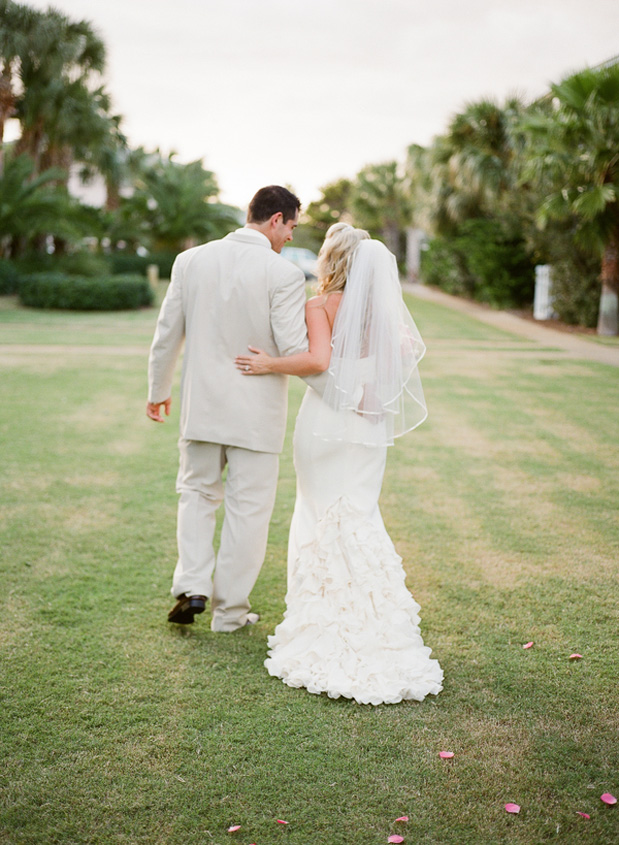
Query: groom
point(223, 296)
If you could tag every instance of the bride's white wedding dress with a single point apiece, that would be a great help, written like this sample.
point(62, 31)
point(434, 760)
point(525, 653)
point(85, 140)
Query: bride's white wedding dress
point(351, 627)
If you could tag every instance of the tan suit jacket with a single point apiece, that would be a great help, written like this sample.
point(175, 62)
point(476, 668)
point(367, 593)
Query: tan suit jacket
point(225, 295)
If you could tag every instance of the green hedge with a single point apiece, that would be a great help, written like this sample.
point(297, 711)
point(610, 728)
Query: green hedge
point(483, 261)
point(443, 266)
point(9, 277)
point(36, 262)
point(89, 264)
point(76, 293)
point(122, 262)
point(95, 264)
point(576, 290)
point(82, 263)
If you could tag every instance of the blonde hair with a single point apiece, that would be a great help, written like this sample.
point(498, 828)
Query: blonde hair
point(340, 242)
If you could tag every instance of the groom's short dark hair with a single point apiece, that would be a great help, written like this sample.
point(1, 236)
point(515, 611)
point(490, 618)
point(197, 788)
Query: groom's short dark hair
point(268, 201)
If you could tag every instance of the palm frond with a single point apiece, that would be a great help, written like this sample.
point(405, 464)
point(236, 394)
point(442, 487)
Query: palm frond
point(593, 201)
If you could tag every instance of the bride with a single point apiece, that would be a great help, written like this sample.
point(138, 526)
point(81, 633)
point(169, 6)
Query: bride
point(351, 628)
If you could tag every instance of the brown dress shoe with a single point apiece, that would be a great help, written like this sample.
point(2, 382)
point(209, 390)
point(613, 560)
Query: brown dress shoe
point(185, 609)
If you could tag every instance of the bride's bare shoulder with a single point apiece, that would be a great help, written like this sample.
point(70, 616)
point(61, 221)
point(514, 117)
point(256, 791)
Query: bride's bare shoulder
point(325, 300)
point(328, 302)
point(320, 301)
point(332, 304)
point(316, 301)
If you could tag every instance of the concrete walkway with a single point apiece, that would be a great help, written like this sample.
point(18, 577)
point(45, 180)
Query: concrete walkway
point(572, 346)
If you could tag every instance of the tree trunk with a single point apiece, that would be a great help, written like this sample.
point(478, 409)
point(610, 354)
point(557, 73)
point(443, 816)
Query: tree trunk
point(415, 239)
point(5, 246)
point(59, 157)
point(31, 143)
point(391, 234)
point(112, 197)
point(609, 302)
point(7, 106)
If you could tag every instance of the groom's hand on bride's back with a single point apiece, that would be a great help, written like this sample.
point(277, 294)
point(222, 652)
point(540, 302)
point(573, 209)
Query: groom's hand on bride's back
point(153, 410)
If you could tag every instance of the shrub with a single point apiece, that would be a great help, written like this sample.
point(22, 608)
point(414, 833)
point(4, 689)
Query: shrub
point(575, 272)
point(122, 262)
point(76, 293)
point(74, 264)
point(442, 265)
point(83, 264)
point(9, 277)
point(482, 261)
point(163, 260)
point(576, 290)
point(502, 272)
point(36, 262)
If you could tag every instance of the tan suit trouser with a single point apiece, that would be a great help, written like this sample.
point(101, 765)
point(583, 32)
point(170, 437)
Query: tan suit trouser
point(248, 496)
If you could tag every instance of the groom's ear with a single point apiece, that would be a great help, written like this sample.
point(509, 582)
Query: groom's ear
point(276, 218)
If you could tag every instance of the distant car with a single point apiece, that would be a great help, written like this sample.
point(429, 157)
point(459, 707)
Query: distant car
point(305, 259)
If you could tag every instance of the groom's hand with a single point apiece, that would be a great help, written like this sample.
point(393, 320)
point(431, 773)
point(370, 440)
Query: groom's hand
point(153, 410)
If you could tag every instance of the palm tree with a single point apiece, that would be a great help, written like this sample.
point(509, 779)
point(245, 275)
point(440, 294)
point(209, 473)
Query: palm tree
point(461, 191)
point(30, 205)
point(332, 207)
point(379, 203)
point(483, 150)
point(574, 151)
point(49, 65)
point(15, 22)
point(102, 149)
point(174, 205)
point(469, 172)
point(57, 61)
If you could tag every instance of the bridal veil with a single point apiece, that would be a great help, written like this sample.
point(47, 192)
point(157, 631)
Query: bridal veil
point(373, 374)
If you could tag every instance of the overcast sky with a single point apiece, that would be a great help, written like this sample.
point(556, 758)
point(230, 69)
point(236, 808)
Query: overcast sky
point(302, 92)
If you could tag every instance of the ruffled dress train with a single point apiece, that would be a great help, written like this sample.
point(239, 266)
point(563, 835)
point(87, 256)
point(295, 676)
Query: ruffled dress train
point(351, 627)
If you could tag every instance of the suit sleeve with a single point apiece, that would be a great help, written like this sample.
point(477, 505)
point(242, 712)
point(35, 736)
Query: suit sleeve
point(288, 314)
point(168, 339)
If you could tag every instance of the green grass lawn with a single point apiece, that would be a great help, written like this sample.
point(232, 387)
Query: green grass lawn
point(119, 728)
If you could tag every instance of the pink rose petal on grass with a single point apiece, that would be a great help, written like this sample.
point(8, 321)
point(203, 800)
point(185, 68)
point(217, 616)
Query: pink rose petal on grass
point(395, 838)
point(607, 798)
point(584, 815)
point(446, 755)
point(281, 821)
point(234, 828)
point(528, 645)
point(512, 808)
point(402, 819)
point(575, 656)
